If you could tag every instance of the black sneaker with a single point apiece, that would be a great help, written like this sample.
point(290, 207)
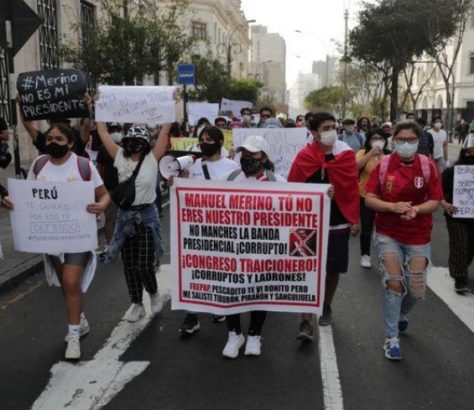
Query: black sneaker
point(217, 319)
point(190, 324)
point(326, 318)
point(460, 286)
point(306, 332)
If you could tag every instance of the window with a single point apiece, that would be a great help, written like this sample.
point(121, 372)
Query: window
point(199, 30)
point(48, 34)
point(471, 64)
point(87, 21)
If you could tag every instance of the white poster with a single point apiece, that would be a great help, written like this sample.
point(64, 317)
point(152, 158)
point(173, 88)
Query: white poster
point(51, 217)
point(284, 143)
point(197, 110)
point(463, 191)
point(136, 104)
point(234, 106)
point(248, 246)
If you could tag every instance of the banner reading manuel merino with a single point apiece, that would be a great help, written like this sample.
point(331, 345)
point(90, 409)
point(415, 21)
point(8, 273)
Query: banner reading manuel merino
point(237, 247)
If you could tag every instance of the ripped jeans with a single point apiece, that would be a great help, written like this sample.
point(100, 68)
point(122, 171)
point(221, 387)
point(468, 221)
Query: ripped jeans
point(403, 273)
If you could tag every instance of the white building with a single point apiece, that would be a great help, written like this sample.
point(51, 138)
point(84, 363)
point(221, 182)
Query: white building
point(304, 84)
point(326, 70)
point(268, 61)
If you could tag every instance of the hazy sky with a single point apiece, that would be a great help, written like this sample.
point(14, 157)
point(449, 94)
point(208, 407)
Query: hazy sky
point(320, 21)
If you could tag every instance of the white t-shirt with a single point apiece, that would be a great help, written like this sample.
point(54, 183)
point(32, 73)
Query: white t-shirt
point(439, 138)
point(218, 170)
point(66, 172)
point(145, 184)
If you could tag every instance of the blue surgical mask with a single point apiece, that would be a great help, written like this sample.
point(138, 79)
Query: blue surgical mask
point(406, 150)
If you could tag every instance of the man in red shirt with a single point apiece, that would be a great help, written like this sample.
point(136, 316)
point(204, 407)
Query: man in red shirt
point(404, 190)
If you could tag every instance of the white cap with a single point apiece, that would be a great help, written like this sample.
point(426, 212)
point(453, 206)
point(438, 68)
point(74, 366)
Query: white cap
point(254, 143)
point(468, 142)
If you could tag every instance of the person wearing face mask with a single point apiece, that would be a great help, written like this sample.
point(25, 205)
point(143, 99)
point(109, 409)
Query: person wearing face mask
point(440, 139)
point(350, 137)
point(255, 165)
point(330, 161)
point(137, 234)
point(404, 190)
point(213, 165)
point(460, 230)
point(72, 271)
point(367, 159)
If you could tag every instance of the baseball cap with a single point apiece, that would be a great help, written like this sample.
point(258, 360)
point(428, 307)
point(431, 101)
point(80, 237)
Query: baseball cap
point(138, 132)
point(254, 143)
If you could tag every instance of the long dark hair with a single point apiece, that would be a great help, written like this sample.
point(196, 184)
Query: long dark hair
point(369, 136)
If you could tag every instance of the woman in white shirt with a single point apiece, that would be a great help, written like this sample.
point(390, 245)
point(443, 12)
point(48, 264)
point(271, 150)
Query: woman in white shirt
point(72, 271)
point(137, 233)
point(213, 165)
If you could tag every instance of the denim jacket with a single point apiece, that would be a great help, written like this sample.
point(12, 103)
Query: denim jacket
point(125, 225)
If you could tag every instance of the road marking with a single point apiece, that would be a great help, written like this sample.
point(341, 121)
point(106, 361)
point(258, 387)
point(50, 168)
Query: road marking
point(22, 295)
point(332, 391)
point(91, 385)
point(442, 285)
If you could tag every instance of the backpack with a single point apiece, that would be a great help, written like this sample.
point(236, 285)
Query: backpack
point(83, 165)
point(234, 174)
point(385, 161)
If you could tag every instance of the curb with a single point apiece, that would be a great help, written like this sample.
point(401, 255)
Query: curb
point(19, 273)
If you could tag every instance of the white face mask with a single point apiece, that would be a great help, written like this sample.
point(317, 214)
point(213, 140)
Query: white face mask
point(377, 144)
point(117, 137)
point(329, 138)
point(438, 125)
point(246, 118)
point(406, 150)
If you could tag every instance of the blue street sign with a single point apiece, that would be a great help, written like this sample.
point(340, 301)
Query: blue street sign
point(187, 74)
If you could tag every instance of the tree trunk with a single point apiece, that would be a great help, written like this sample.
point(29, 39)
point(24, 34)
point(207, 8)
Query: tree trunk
point(394, 95)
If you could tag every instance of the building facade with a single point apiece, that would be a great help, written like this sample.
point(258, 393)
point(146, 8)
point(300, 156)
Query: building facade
point(326, 70)
point(304, 84)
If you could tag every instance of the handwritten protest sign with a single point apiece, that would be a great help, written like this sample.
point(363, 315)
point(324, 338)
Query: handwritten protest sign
point(51, 217)
point(234, 106)
point(136, 104)
point(284, 143)
point(257, 246)
point(197, 110)
point(463, 191)
point(52, 94)
point(182, 143)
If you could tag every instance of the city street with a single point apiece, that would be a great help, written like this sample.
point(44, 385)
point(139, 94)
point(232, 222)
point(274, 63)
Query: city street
point(163, 371)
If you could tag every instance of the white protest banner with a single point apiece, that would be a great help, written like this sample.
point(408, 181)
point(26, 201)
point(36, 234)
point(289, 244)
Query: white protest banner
point(234, 106)
point(136, 104)
point(197, 110)
point(51, 217)
point(284, 143)
point(463, 191)
point(237, 246)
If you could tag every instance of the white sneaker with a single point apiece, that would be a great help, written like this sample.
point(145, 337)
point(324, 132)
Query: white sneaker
point(253, 346)
point(234, 343)
point(83, 330)
point(365, 261)
point(155, 302)
point(136, 313)
point(73, 349)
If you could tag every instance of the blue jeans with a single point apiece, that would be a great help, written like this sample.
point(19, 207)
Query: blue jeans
point(413, 283)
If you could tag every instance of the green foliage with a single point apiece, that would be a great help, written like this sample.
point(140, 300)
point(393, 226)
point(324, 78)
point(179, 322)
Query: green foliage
point(327, 99)
point(245, 89)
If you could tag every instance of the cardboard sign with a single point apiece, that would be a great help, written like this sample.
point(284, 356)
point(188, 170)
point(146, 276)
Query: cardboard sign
point(239, 246)
point(234, 106)
point(463, 191)
point(199, 110)
point(52, 94)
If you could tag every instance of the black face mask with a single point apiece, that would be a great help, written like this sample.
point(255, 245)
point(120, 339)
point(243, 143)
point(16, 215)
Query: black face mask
point(134, 146)
point(250, 165)
point(209, 150)
point(56, 150)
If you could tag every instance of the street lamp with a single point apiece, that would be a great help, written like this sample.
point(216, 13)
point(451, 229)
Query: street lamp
point(229, 45)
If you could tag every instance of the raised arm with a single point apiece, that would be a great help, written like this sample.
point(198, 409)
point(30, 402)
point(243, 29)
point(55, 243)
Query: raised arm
point(109, 144)
point(30, 126)
point(162, 141)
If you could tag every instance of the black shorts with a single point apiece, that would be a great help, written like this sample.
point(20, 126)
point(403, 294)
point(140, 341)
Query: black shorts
point(338, 251)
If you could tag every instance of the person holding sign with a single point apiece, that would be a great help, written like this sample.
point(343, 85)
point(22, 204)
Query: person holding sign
point(211, 166)
point(404, 190)
point(72, 271)
point(460, 230)
point(330, 161)
point(255, 166)
point(137, 229)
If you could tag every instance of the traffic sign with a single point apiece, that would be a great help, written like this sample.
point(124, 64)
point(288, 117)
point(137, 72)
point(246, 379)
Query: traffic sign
point(187, 74)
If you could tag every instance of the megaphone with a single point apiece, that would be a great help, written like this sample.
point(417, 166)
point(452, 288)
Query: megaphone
point(170, 166)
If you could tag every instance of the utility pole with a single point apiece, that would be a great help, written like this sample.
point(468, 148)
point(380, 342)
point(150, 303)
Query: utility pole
point(345, 58)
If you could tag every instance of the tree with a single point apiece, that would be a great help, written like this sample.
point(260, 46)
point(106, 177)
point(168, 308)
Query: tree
point(246, 89)
point(327, 99)
point(389, 34)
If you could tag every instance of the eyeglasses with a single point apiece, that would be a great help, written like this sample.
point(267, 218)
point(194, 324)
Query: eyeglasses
point(400, 141)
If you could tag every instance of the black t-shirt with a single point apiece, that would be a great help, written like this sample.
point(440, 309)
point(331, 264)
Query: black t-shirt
point(78, 148)
point(108, 172)
point(96, 142)
point(336, 218)
point(3, 124)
